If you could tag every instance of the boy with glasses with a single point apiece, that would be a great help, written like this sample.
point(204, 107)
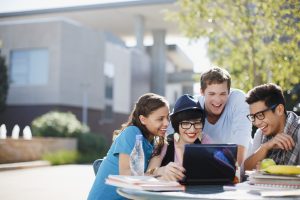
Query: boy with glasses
point(225, 110)
point(278, 133)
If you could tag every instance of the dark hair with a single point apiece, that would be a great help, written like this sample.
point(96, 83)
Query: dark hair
point(145, 105)
point(186, 115)
point(215, 75)
point(270, 93)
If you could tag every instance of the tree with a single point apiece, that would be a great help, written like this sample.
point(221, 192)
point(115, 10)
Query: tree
point(257, 41)
point(3, 83)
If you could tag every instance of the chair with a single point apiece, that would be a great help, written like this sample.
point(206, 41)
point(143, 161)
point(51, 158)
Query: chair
point(96, 165)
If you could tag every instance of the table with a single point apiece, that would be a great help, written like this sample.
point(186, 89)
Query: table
point(197, 192)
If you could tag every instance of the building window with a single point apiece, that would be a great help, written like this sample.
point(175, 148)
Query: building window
point(109, 74)
point(29, 67)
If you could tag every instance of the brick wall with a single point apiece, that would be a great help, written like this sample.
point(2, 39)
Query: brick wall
point(21, 150)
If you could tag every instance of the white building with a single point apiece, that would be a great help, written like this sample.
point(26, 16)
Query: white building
point(75, 59)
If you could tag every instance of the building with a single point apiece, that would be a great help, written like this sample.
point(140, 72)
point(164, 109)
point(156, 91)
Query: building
point(76, 59)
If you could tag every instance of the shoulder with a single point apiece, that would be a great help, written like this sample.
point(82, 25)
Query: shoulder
point(236, 93)
point(237, 98)
point(129, 132)
point(132, 129)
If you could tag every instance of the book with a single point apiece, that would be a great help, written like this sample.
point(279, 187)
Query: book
point(143, 183)
point(280, 193)
point(279, 181)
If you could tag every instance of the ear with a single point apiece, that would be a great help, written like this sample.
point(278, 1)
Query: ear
point(280, 109)
point(142, 119)
point(201, 91)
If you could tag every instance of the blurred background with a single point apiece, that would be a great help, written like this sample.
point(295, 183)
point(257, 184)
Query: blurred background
point(74, 69)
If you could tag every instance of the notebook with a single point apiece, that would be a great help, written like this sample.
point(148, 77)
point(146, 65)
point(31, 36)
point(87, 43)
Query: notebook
point(209, 163)
point(275, 181)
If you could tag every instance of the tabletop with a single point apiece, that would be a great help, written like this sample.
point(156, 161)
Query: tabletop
point(197, 192)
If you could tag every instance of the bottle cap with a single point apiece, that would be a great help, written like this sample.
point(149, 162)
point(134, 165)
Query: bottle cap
point(139, 137)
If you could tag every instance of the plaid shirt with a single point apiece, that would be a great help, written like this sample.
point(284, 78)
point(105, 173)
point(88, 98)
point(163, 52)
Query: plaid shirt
point(290, 157)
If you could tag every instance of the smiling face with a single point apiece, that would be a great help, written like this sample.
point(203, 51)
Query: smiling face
point(273, 121)
point(157, 121)
point(189, 135)
point(216, 96)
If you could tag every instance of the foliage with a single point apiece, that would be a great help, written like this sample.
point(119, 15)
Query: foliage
point(257, 41)
point(58, 124)
point(61, 157)
point(3, 83)
point(91, 146)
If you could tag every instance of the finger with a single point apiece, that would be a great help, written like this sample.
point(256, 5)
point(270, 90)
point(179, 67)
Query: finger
point(286, 140)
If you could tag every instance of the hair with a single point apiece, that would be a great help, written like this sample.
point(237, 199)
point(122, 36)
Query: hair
point(270, 93)
point(187, 115)
point(215, 75)
point(145, 105)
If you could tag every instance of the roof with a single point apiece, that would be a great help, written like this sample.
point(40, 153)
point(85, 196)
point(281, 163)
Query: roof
point(116, 17)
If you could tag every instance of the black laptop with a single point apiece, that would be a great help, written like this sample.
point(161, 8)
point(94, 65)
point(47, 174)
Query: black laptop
point(209, 164)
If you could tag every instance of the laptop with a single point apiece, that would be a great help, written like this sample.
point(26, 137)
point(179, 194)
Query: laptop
point(209, 164)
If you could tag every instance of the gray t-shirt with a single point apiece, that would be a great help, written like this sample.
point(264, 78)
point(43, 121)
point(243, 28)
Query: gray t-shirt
point(233, 125)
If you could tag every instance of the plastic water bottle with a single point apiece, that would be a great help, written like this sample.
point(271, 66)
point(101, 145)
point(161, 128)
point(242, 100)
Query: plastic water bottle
point(137, 157)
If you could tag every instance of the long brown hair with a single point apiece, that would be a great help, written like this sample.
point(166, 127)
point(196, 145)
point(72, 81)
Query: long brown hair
point(145, 105)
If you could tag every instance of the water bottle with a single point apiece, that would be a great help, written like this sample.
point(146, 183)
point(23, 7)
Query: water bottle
point(137, 157)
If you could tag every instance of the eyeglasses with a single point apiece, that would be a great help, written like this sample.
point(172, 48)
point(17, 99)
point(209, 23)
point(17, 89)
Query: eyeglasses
point(260, 115)
point(188, 125)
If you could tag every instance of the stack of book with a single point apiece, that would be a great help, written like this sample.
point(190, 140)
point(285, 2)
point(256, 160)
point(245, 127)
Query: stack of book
point(275, 181)
point(143, 183)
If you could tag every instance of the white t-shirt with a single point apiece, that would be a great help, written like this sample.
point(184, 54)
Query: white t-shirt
point(233, 125)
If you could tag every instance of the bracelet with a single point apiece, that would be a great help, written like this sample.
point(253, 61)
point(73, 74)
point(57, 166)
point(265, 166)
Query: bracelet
point(151, 171)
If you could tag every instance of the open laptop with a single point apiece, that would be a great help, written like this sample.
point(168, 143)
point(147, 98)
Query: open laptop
point(209, 163)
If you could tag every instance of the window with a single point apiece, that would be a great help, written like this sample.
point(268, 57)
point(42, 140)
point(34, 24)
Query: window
point(29, 67)
point(109, 73)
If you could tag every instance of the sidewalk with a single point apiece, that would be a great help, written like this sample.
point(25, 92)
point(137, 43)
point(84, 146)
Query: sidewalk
point(24, 165)
point(47, 183)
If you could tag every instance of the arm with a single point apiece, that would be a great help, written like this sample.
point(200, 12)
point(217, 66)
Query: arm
point(241, 126)
point(281, 140)
point(241, 154)
point(172, 171)
point(124, 166)
point(260, 154)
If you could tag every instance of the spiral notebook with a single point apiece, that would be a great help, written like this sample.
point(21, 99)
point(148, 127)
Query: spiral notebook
point(275, 181)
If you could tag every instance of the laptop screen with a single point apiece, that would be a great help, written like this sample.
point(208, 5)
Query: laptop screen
point(209, 163)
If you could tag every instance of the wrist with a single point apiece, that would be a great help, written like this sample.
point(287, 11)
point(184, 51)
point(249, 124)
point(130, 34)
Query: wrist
point(152, 171)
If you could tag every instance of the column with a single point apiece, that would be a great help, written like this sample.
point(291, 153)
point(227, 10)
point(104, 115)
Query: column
point(158, 62)
point(139, 32)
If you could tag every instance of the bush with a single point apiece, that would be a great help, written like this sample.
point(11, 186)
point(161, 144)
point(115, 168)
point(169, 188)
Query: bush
point(57, 124)
point(91, 146)
point(61, 157)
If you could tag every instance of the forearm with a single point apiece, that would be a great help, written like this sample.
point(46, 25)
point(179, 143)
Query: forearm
point(259, 155)
point(241, 154)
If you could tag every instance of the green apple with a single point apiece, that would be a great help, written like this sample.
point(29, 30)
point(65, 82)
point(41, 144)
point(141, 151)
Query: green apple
point(266, 163)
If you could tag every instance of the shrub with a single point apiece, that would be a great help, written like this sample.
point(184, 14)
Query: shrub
point(57, 124)
point(61, 157)
point(91, 146)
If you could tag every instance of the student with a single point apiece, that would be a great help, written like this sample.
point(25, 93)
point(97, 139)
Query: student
point(278, 133)
point(187, 120)
point(225, 110)
point(150, 117)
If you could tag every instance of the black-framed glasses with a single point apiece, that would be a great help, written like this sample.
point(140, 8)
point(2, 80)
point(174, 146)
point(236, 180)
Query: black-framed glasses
point(188, 125)
point(260, 115)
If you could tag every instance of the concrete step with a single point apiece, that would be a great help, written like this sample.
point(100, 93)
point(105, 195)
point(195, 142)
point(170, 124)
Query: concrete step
point(22, 165)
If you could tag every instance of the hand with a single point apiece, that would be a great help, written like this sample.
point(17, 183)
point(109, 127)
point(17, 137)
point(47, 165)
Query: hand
point(280, 141)
point(171, 172)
